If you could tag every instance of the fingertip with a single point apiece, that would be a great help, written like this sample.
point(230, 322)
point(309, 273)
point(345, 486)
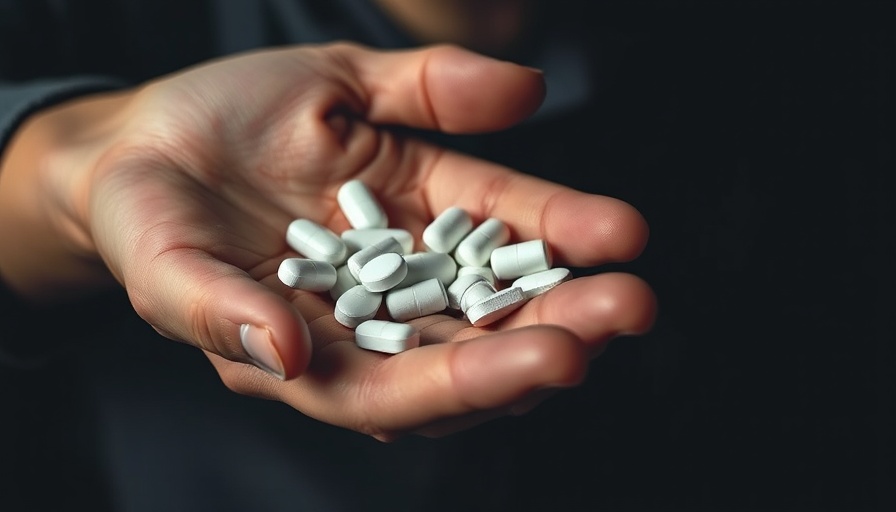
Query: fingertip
point(612, 229)
point(289, 341)
point(470, 92)
point(504, 367)
point(626, 304)
point(632, 227)
point(263, 328)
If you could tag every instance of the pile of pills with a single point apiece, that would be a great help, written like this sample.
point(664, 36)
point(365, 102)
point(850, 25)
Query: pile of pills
point(474, 271)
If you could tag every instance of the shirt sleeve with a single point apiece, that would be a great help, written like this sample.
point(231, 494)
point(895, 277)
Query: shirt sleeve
point(31, 336)
point(18, 100)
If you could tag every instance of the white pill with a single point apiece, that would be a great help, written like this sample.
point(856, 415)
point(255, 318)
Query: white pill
point(540, 282)
point(447, 230)
point(457, 288)
point(476, 248)
point(357, 239)
point(421, 299)
point(426, 265)
point(344, 282)
point(385, 336)
point(305, 274)
point(359, 259)
point(316, 242)
point(383, 272)
point(485, 272)
point(357, 305)
point(478, 291)
point(359, 206)
point(495, 307)
point(516, 260)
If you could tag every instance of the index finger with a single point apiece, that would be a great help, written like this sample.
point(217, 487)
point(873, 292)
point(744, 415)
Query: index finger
point(583, 229)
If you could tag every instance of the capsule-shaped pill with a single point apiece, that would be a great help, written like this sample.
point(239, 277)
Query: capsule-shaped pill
point(421, 299)
point(476, 248)
point(540, 282)
point(456, 289)
point(383, 272)
point(344, 282)
point(426, 265)
point(357, 305)
point(357, 239)
point(305, 274)
point(359, 259)
point(520, 259)
point(387, 337)
point(447, 230)
point(359, 206)
point(476, 292)
point(485, 272)
point(316, 242)
point(495, 307)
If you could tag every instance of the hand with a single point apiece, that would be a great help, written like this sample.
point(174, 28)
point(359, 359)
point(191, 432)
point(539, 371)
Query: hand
point(184, 187)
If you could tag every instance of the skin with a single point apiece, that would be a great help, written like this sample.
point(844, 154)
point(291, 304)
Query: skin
point(181, 190)
point(492, 27)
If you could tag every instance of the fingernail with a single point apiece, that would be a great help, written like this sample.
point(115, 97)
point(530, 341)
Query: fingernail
point(258, 344)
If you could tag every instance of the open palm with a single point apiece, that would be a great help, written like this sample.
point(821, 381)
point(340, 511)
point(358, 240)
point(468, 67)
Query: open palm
point(189, 207)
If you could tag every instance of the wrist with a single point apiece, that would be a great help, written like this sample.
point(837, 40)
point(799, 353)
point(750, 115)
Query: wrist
point(47, 252)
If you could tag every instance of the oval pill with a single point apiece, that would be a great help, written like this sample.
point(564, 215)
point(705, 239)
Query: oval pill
point(457, 288)
point(357, 305)
point(485, 272)
point(520, 259)
point(306, 274)
point(475, 249)
point(315, 241)
point(359, 259)
point(383, 272)
point(385, 336)
point(344, 282)
point(476, 292)
point(421, 299)
point(540, 282)
point(426, 265)
point(495, 307)
point(357, 239)
point(447, 230)
point(359, 206)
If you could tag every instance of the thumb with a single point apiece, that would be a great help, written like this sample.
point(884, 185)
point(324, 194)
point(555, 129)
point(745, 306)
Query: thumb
point(443, 87)
point(191, 296)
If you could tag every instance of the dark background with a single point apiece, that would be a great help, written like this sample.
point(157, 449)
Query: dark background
point(758, 140)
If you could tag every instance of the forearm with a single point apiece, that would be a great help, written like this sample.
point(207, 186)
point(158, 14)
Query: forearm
point(46, 254)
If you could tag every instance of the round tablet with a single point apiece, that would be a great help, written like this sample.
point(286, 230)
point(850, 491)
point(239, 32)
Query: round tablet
point(457, 288)
point(383, 272)
point(357, 305)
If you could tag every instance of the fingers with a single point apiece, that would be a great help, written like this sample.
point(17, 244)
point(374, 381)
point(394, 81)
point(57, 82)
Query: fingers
point(595, 308)
point(386, 396)
point(443, 88)
point(582, 229)
point(191, 296)
point(453, 90)
point(462, 376)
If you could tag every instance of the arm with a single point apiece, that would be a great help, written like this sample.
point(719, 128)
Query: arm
point(29, 338)
point(45, 258)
